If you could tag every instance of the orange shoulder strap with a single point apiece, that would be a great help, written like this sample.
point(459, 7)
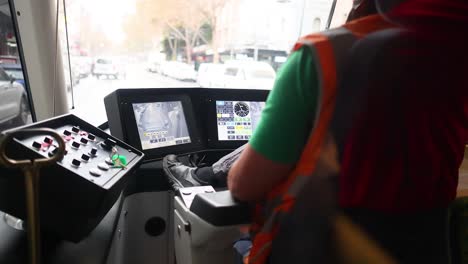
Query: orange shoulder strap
point(330, 50)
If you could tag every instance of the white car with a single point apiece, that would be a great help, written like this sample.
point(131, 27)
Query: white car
point(105, 67)
point(249, 75)
point(14, 104)
point(155, 66)
point(180, 71)
point(210, 75)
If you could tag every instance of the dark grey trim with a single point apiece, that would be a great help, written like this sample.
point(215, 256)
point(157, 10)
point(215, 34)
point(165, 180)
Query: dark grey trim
point(23, 61)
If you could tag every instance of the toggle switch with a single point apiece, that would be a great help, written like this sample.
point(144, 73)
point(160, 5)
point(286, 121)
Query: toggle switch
point(109, 143)
point(76, 144)
point(93, 152)
point(55, 150)
point(85, 157)
point(91, 137)
point(76, 162)
point(36, 145)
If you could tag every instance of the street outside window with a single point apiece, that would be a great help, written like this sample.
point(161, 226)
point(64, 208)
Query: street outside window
point(159, 43)
point(14, 102)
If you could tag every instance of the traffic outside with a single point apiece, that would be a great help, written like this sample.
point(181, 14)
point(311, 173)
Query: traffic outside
point(14, 99)
point(180, 43)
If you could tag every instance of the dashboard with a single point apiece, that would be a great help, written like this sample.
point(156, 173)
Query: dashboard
point(163, 121)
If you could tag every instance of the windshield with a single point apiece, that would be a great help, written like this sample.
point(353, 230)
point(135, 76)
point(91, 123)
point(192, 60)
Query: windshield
point(16, 74)
point(142, 36)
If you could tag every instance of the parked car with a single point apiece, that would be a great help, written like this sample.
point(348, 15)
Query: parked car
point(249, 75)
point(6, 59)
point(155, 66)
point(210, 75)
point(14, 104)
point(104, 67)
point(82, 66)
point(75, 77)
point(180, 71)
point(15, 71)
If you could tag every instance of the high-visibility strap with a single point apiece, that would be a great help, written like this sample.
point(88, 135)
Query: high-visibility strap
point(323, 53)
point(330, 50)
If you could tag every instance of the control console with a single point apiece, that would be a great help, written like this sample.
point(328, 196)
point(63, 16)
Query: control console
point(77, 191)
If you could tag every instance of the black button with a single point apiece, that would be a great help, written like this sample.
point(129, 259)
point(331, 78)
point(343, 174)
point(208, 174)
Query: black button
point(76, 162)
point(36, 144)
point(66, 132)
point(84, 140)
point(93, 151)
point(91, 137)
point(85, 157)
point(75, 144)
point(55, 150)
point(48, 140)
point(75, 129)
point(109, 143)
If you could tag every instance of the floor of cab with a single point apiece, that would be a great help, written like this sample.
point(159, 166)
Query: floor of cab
point(463, 177)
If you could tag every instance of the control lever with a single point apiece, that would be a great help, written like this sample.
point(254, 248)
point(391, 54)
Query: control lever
point(30, 168)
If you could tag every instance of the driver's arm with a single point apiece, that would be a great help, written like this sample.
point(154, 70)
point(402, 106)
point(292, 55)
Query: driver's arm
point(277, 142)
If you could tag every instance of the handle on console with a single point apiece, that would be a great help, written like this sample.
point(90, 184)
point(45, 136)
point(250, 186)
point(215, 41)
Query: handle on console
point(30, 169)
point(12, 163)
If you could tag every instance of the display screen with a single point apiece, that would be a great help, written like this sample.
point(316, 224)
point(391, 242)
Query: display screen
point(237, 119)
point(161, 124)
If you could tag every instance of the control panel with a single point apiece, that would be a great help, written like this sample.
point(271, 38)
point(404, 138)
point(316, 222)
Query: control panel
point(77, 191)
point(92, 157)
point(164, 121)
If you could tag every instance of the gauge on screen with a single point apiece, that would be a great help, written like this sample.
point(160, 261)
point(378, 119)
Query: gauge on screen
point(241, 109)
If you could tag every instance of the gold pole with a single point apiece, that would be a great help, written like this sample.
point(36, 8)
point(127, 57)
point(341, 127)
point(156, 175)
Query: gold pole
point(32, 205)
point(30, 168)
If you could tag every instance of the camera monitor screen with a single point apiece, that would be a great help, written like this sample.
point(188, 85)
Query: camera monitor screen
point(161, 124)
point(237, 119)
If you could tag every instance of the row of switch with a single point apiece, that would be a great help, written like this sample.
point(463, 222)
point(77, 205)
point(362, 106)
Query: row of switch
point(68, 133)
point(48, 141)
point(85, 157)
point(108, 144)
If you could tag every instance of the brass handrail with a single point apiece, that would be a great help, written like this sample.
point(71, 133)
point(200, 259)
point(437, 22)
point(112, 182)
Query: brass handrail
point(30, 168)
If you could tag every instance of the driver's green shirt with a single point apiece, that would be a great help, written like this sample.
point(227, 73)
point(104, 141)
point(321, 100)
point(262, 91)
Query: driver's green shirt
point(289, 111)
